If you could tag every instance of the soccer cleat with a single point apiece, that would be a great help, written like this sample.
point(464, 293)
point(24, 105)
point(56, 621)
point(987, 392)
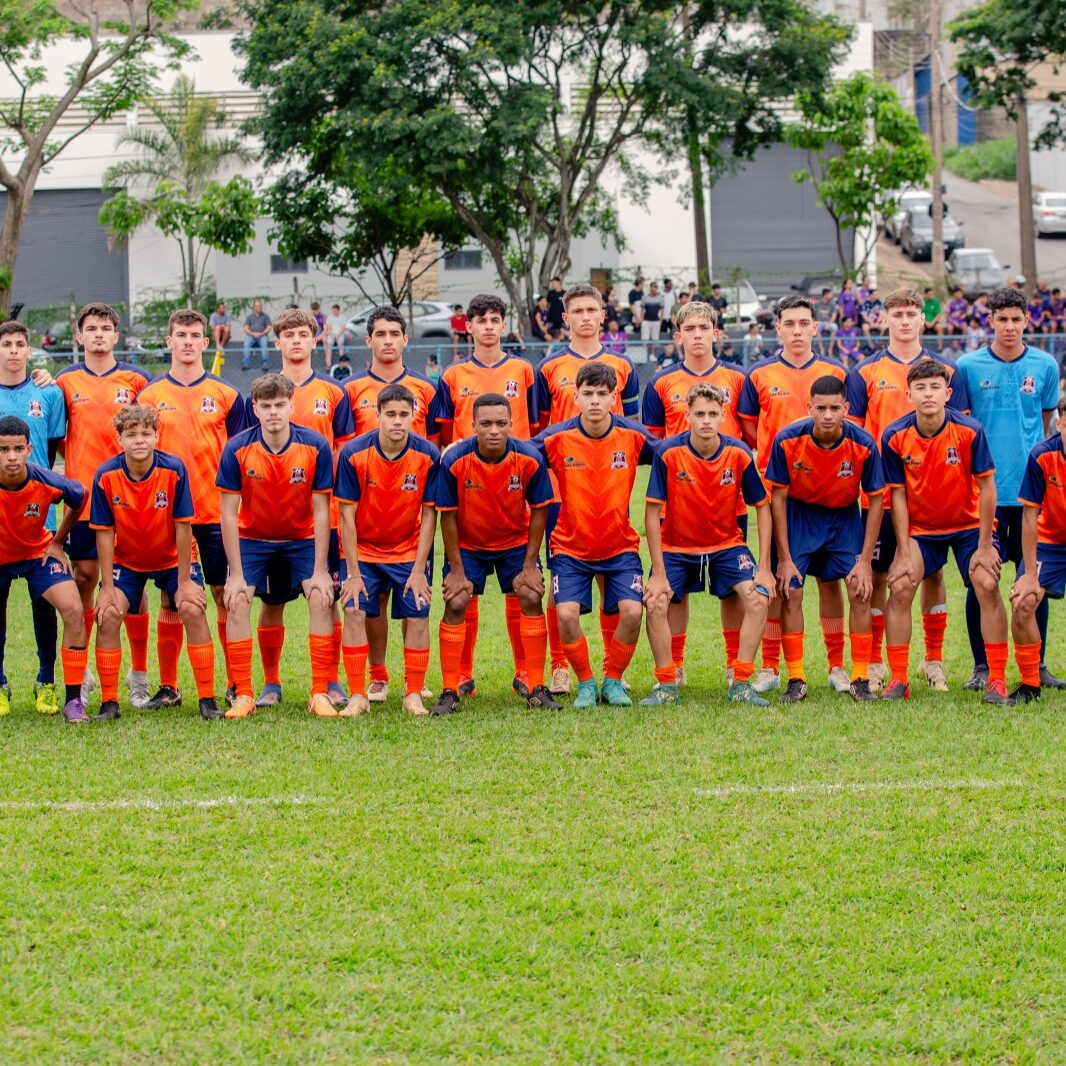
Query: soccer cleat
point(378, 692)
point(88, 686)
point(878, 676)
point(137, 687)
point(626, 686)
point(467, 687)
point(427, 693)
point(996, 693)
point(766, 680)
point(337, 696)
point(795, 691)
point(5, 700)
point(679, 677)
point(321, 706)
point(74, 712)
point(660, 696)
point(743, 692)
point(560, 681)
point(587, 694)
point(357, 704)
point(165, 696)
point(231, 694)
point(541, 699)
point(730, 676)
point(1049, 680)
point(46, 699)
point(447, 702)
point(412, 703)
point(613, 693)
point(933, 671)
point(518, 683)
point(896, 690)
point(839, 680)
point(108, 712)
point(978, 679)
point(241, 707)
point(1025, 694)
point(209, 709)
point(860, 690)
point(269, 695)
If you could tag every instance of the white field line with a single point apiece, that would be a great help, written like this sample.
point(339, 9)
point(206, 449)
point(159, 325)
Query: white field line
point(147, 803)
point(816, 788)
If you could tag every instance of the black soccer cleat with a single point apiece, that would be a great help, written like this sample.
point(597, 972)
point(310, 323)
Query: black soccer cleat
point(165, 696)
point(520, 687)
point(209, 709)
point(1025, 694)
point(541, 699)
point(860, 690)
point(795, 691)
point(447, 703)
point(108, 712)
point(1049, 680)
point(231, 694)
point(467, 688)
point(978, 679)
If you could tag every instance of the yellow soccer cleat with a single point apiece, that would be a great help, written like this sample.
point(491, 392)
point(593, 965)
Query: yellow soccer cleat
point(5, 700)
point(46, 698)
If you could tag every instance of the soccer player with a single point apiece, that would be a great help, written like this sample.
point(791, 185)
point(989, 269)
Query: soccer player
point(594, 457)
point(1042, 571)
point(276, 480)
point(94, 392)
point(1014, 389)
point(939, 467)
point(774, 395)
point(43, 410)
point(198, 414)
point(386, 480)
point(492, 496)
point(30, 550)
point(142, 512)
point(817, 469)
point(698, 477)
point(877, 396)
point(665, 413)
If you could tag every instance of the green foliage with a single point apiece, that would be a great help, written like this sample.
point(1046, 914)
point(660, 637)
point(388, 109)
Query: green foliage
point(988, 159)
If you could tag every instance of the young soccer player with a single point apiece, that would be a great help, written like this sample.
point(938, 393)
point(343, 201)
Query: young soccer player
point(492, 496)
point(198, 414)
point(697, 478)
point(95, 391)
point(385, 486)
point(1014, 389)
point(818, 468)
point(938, 465)
point(30, 550)
point(276, 480)
point(43, 410)
point(142, 512)
point(594, 458)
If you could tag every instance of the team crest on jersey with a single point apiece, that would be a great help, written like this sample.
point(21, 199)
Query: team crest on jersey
point(122, 395)
point(727, 395)
point(298, 476)
point(1028, 385)
point(161, 501)
point(510, 390)
point(55, 567)
point(36, 410)
point(514, 484)
point(745, 562)
point(637, 584)
point(952, 457)
point(618, 461)
point(410, 483)
point(321, 408)
point(207, 405)
point(729, 476)
point(845, 469)
point(33, 510)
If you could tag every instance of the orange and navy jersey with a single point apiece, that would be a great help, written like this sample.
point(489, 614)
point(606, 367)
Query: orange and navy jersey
point(321, 405)
point(664, 410)
point(776, 393)
point(92, 402)
point(702, 496)
point(595, 477)
point(877, 390)
point(24, 512)
point(491, 497)
point(557, 382)
point(391, 494)
point(363, 388)
point(1044, 486)
point(195, 421)
point(142, 511)
point(832, 477)
point(276, 488)
point(462, 383)
point(939, 472)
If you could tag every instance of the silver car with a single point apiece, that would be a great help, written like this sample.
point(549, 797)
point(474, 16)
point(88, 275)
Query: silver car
point(429, 320)
point(975, 270)
point(1049, 213)
point(916, 240)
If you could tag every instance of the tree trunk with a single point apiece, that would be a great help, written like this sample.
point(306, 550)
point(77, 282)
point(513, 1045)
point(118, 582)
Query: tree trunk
point(15, 209)
point(699, 206)
point(936, 254)
point(1026, 231)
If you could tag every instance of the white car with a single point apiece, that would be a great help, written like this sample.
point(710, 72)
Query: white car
point(752, 305)
point(1049, 213)
point(430, 319)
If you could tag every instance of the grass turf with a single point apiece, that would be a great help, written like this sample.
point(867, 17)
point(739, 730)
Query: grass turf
point(829, 882)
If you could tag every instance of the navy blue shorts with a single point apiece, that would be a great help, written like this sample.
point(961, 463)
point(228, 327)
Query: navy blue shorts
point(277, 569)
point(823, 541)
point(549, 527)
point(885, 548)
point(622, 580)
point(81, 542)
point(720, 571)
point(381, 579)
point(1050, 569)
point(278, 577)
point(963, 544)
point(213, 565)
point(478, 565)
point(742, 524)
point(132, 583)
point(1009, 534)
point(39, 576)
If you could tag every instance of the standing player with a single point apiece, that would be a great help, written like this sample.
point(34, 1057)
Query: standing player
point(29, 550)
point(1013, 389)
point(775, 395)
point(698, 477)
point(492, 497)
point(142, 512)
point(594, 458)
point(276, 480)
point(665, 412)
point(877, 396)
point(198, 414)
point(385, 485)
point(939, 468)
point(818, 468)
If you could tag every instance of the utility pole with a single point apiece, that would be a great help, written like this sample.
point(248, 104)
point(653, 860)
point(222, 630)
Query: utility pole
point(1025, 195)
point(937, 144)
point(695, 165)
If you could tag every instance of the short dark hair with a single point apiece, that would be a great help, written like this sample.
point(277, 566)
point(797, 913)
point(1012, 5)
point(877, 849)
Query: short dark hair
point(491, 399)
point(1001, 299)
point(186, 316)
point(790, 302)
point(385, 313)
point(575, 292)
point(927, 368)
point(396, 393)
point(484, 304)
point(97, 310)
point(11, 326)
point(597, 375)
point(272, 387)
point(828, 385)
point(10, 426)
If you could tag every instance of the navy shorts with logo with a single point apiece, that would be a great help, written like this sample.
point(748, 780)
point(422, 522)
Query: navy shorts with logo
point(478, 565)
point(963, 544)
point(719, 572)
point(823, 541)
point(1050, 569)
point(381, 579)
point(40, 575)
point(133, 582)
point(277, 568)
point(572, 580)
point(279, 578)
point(81, 541)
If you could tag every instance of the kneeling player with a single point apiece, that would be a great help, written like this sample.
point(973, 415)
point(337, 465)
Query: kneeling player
point(939, 468)
point(142, 512)
point(385, 487)
point(276, 481)
point(483, 489)
point(30, 551)
point(817, 468)
point(700, 477)
point(1043, 569)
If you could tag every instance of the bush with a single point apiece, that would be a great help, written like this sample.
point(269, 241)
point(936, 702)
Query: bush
point(989, 159)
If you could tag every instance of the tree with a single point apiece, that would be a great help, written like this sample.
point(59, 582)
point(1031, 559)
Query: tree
point(172, 182)
point(118, 60)
point(862, 148)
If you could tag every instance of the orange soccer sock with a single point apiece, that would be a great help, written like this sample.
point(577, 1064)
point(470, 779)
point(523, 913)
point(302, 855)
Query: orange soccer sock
point(742, 671)
point(74, 660)
point(577, 655)
point(677, 647)
point(997, 661)
point(877, 634)
point(321, 651)
point(860, 655)
point(732, 644)
point(415, 665)
point(513, 616)
point(833, 635)
point(771, 644)
point(608, 624)
point(555, 641)
point(473, 623)
point(933, 626)
point(137, 635)
point(666, 675)
point(240, 661)
point(223, 641)
point(169, 633)
point(1027, 657)
point(793, 645)
point(90, 618)
point(899, 658)
point(202, 657)
point(619, 655)
point(271, 641)
point(452, 642)
point(108, 663)
point(355, 667)
point(379, 672)
point(335, 659)
point(534, 635)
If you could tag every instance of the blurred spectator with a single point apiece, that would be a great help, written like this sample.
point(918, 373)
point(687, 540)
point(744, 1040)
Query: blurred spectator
point(848, 341)
point(753, 345)
point(976, 334)
point(336, 331)
point(460, 333)
point(320, 319)
point(958, 312)
point(343, 369)
point(932, 315)
point(718, 302)
point(220, 327)
point(669, 299)
point(256, 335)
point(980, 310)
point(668, 354)
point(872, 310)
point(432, 368)
point(555, 303)
point(728, 353)
point(541, 328)
point(513, 345)
point(848, 303)
point(825, 314)
point(559, 342)
point(613, 339)
point(651, 323)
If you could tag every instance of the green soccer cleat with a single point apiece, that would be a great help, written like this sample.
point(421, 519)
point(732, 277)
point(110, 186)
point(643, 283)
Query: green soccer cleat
point(743, 692)
point(46, 698)
point(587, 695)
point(5, 700)
point(661, 696)
point(614, 694)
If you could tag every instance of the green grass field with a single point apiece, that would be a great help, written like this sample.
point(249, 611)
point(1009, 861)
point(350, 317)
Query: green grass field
point(831, 883)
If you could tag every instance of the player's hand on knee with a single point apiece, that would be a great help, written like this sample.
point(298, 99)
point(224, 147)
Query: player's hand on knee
point(901, 572)
point(786, 573)
point(1025, 593)
point(237, 593)
point(860, 581)
point(657, 593)
point(987, 559)
point(56, 554)
point(456, 583)
point(108, 607)
point(418, 588)
point(191, 596)
point(352, 590)
point(319, 586)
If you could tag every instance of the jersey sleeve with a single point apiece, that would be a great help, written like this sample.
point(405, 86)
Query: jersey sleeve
point(343, 419)
point(631, 394)
point(539, 490)
point(748, 404)
point(544, 397)
point(73, 494)
point(890, 459)
point(873, 473)
point(959, 400)
point(442, 408)
point(429, 493)
point(324, 468)
point(981, 456)
point(751, 486)
point(652, 412)
point(347, 487)
point(446, 497)
point(183, 507)
point(648, 446)
point(57, 414)
point(228, 477)
point(1033, 484)
point(532, 409)
point(858, 399)
point(101, 514)
point(657, 480)
point(777, 467)
point(236, 419)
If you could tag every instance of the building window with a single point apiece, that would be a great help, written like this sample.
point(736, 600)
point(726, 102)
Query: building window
point(280, 265)
point(468, 259)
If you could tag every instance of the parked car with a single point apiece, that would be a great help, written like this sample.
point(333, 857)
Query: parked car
point(58, 337)
point(911, 200)
point(1049, 213)
point(916, 238)
point(429, 320)
point(812, 284)
point(752, 306)
point(976, 270)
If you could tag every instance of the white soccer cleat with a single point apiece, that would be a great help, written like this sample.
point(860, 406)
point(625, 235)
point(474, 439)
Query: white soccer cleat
point(839, 680)
point(766, 680)
point(355, 706)
point(560, 682)
point(679, 677)
point(89, 685)
point(378, 692)
point(878, 676)
point(412, 703)
point(427, 693)
point(933, 672)
point(137, 685)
